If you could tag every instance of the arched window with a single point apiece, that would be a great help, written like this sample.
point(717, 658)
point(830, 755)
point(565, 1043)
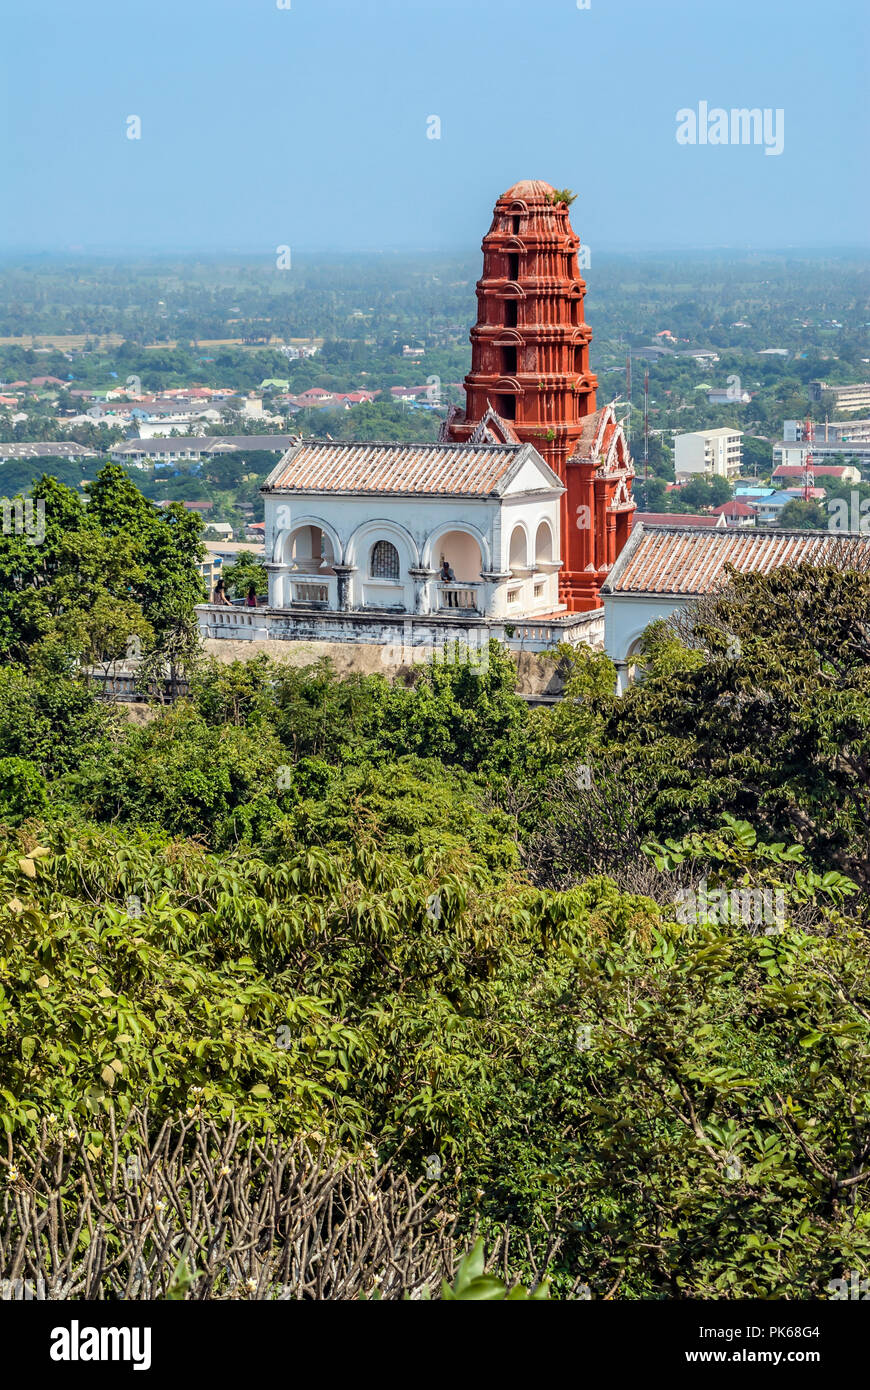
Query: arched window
point(543, 544)
point(519, 557)
point(384, 561)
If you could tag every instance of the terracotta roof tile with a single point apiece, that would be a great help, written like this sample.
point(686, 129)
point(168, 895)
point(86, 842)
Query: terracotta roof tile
point(671, 560)
point(315, 466)
point(734, 508)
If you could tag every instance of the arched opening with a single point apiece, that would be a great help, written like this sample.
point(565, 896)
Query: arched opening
point(309, 550)
point(308, 577)
point(634, 672)
point(384, 561)
point(543, 545)
point(459, 561)
point(462, 554)
point(510, 313)
point(518, 555)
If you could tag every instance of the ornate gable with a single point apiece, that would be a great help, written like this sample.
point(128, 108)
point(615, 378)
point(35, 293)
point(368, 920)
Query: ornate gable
point(492, 429)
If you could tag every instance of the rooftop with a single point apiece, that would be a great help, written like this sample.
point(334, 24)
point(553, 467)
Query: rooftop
point(734, 508)
point(57, 448)
point(675, 519)
point(472, 470)
point(680, 560)
point(529, 188)
point(206, 444)
point(797, 470)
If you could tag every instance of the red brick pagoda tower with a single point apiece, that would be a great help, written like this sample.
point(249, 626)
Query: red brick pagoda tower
point(530, 381)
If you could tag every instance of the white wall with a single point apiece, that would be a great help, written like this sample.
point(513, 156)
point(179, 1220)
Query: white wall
point(689, 454)
point(626, 616)
point(473, 533)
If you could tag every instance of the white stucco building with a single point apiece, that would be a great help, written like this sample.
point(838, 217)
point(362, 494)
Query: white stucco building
point(357, 534)
point(665, 568)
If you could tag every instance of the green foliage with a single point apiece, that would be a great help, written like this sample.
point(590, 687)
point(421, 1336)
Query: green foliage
point(180, 774)
point(49, 718)
point(246, 571)
point(800, 515)
point(761, 708)
point(393, 916)
point(121, 568)
point(23, 792)
point(473, 1283)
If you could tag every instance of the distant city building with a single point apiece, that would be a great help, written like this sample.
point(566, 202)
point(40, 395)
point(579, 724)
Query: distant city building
point(736, 513)
point(708, 453)
point(749, 494)
point(787, 472)
point(829, 432)
point(824, 455)
point(294, 353)
point(653, 351)
point(58, 448)
point(854, 397)
point(726, 395)
point(703, 355)
point(144, 453)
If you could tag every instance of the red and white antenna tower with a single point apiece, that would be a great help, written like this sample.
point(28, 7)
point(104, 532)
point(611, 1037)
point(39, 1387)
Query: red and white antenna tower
point(809, 474)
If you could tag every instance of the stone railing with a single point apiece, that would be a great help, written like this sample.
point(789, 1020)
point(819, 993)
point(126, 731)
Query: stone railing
point(309, 591)
point(458, 595)
point(228, 620)
point(541, 634)
point(316, 621)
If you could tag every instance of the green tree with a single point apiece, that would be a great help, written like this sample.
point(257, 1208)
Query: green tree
point(801, 515)
point(246, 572)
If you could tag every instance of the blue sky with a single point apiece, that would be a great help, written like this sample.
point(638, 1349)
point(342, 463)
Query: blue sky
point(307, 126)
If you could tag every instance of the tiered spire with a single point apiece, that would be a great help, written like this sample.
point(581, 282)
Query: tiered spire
point(530, 370)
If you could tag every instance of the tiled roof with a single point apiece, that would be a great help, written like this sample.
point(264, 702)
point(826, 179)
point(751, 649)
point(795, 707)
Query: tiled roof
point(668, 560)
point(797, 470)
point(474, 470)
point(674, 519)
point(59, 448)
point(734, 508)
point(205, 444)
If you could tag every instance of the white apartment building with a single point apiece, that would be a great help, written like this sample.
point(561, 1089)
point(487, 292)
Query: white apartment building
point(831, 432)
point(853, 397)
point(709, 453)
